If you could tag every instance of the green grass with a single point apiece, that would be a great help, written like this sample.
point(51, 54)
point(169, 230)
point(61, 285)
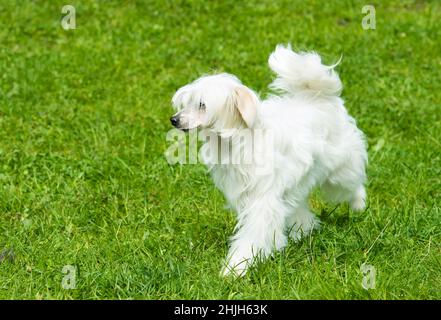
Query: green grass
point(84, 180)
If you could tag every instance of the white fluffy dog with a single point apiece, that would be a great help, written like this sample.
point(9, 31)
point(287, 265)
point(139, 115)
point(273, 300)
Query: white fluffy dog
point(309, 140)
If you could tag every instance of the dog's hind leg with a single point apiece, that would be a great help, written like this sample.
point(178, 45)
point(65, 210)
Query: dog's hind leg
point(346, 182)
point(260, 231)
point(301, 221)
point(345, 191)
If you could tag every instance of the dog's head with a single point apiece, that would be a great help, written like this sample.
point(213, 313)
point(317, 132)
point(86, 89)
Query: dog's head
point(216, 102)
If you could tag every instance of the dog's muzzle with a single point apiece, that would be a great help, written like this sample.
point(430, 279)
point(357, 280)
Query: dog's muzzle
point(174, 121)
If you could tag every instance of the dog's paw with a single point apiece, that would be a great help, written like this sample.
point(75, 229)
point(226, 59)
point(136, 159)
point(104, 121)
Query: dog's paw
point(304, 228)
point(237, 272)
point(235, 268)
point(358, 202)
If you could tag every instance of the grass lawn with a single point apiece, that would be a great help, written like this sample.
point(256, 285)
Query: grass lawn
point(83, 178)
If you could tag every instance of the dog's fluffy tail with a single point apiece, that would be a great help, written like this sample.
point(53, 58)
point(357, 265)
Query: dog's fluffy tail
point(303, 73)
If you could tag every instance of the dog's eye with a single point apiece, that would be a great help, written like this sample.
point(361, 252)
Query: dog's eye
point(201, 106)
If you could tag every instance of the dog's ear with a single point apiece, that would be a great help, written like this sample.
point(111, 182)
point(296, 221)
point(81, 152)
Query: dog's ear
point(246, 102)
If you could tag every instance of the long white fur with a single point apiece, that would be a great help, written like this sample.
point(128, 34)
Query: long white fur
point(314, 142)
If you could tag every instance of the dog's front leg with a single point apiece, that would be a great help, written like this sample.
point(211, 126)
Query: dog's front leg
point(260, 230)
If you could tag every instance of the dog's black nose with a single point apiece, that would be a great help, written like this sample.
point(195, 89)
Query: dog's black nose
point(174, 121)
